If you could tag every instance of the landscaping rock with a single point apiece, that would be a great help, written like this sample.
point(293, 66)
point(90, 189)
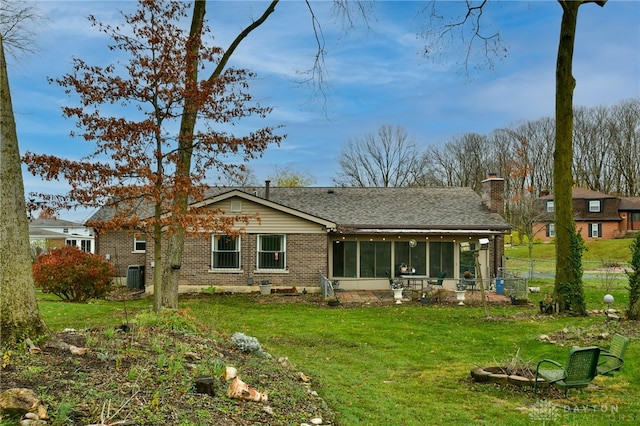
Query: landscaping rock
point(22, 401)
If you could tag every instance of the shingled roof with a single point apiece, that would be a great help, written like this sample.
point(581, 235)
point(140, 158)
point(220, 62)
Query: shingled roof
point(381, 208)
point(419, 208)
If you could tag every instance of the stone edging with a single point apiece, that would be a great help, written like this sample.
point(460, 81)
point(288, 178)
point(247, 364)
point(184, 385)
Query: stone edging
point(487, 375)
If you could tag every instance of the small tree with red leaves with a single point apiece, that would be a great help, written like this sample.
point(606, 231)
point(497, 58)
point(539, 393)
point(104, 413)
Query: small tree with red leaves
point(72, 274)
point(159, 130)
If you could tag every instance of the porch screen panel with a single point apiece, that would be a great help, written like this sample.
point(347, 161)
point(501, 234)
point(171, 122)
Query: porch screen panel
point(468, 261)
point(345, 259)
point(414, 257)
point(271, 252)
point(441, 258)
point(375, 259)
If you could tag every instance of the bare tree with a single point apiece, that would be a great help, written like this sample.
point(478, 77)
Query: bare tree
point(624, 145)
point(462, 161)
point(17, 23)
point(288, 177)
point(592, 158)
point(238, 176)
point(461, 30)
point(387, 159)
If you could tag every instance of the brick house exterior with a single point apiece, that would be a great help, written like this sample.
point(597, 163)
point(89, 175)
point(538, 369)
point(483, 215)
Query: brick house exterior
point(354, 235)
point(597, 215)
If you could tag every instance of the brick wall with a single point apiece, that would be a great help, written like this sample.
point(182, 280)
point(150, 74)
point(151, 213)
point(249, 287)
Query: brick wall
point(493, 194)
point(117, 246)
point(306, 254)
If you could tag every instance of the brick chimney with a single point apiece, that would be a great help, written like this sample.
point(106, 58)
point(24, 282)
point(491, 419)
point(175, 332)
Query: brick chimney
point(493, 193)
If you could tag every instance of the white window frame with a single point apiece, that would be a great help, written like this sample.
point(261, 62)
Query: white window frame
point(137, 241)
point(259, 251)
point(551, 207)
point(595, 206)
point(551, 230)
point(594, 230)
point(237, 250)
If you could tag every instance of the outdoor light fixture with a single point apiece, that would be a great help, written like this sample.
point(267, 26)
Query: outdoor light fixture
point(608, 299)
point(465, 247)
point(484, 243)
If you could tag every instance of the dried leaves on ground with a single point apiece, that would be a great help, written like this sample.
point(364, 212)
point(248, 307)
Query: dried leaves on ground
point(143, 374)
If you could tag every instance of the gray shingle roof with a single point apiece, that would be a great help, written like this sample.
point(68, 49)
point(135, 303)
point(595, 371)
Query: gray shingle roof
point(384, 208)
point(392, 207)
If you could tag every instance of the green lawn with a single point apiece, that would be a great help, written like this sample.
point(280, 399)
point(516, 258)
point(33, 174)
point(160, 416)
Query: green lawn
point(409, 364)
point(595, 259)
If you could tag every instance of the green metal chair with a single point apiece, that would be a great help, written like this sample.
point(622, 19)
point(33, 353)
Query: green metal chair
point(439, 281)
point(579, 371)
point(613, 359)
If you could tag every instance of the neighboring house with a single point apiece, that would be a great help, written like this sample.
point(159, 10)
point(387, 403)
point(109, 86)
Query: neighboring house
point(45, 234)
point(597, 215)
point(630, 214)
point(354, 235)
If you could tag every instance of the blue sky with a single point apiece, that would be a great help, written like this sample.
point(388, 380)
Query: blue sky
point(376, 76)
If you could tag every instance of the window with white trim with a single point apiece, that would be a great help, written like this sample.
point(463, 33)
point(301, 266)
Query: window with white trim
point(595, 230)
point(551, 230)
point(594, 206)
point(139, 242)
point(550, 207)
point(225, 252)
point(85, 245)
point(272, 252)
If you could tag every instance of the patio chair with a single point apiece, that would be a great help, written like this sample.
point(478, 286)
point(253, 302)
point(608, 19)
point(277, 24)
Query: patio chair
point(393, 282)
point(579, 371)
point(438, 281)
point(613, 359)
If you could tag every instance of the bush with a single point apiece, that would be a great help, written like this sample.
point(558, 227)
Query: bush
point(72, 274)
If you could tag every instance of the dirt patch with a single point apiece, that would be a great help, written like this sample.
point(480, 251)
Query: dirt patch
point(145, 375)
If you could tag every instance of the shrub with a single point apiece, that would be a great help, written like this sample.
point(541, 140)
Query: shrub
point(72, 274)
point(246, 343)
point(634, 280)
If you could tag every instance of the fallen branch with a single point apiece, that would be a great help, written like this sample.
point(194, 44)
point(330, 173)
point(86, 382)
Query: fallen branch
point(59, 344)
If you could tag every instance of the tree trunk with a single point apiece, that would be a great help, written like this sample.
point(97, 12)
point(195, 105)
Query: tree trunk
point(19, 314)
point(175, 247)
point(158, 291)
point(563, 154)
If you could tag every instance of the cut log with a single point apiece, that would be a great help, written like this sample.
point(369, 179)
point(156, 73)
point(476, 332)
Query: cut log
point(240, 390)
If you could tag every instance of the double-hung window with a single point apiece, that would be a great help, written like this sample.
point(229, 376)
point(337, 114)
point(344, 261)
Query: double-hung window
point(139, 242)
point(272, 252)
point(551, 230)
point(550, 207)
point(595, 230)
point(225, 252)
point(594, 206)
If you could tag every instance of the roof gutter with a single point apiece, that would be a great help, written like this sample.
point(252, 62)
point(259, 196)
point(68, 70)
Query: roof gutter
point(498, 231)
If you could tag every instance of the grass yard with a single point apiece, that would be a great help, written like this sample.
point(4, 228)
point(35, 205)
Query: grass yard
point(597, 256)
point(409, 364)
point(373, 364)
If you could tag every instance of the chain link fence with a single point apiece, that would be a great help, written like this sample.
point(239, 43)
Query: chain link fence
point(541, 268)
